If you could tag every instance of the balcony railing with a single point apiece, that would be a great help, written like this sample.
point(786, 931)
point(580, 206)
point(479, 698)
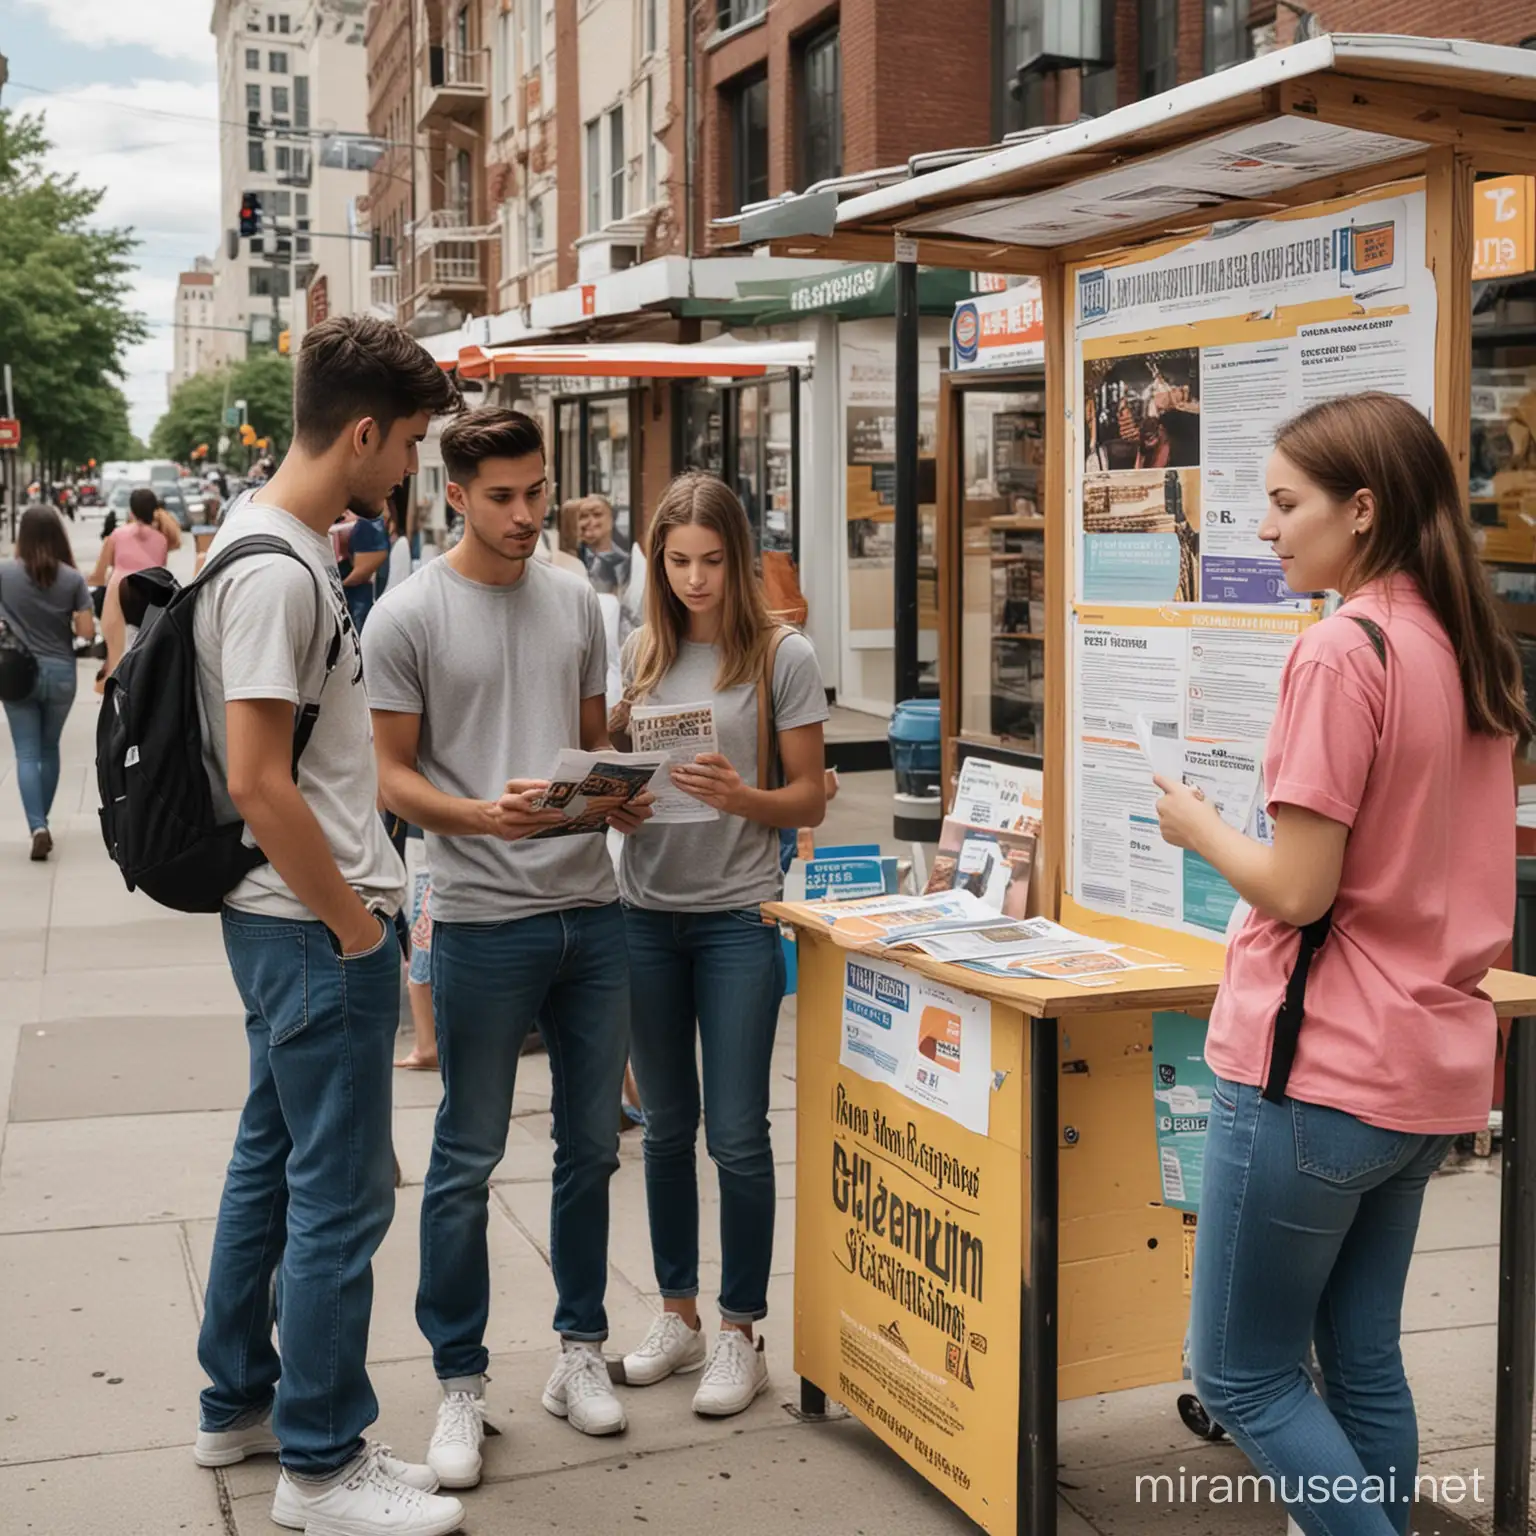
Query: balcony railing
point(384, 292)
point(460, 66)
point(452, 264)
point(452, 224)
point(455, 81)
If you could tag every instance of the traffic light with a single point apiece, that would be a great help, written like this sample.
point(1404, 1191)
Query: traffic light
point(248, 435)
point(283, 338)
point(250, 214)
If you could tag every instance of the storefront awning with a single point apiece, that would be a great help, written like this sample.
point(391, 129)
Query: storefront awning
point(860, 291)
point(639, 360)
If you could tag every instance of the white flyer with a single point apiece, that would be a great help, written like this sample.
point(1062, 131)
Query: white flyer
point(682, 732)
point(1033, 938)
point(929, 1042)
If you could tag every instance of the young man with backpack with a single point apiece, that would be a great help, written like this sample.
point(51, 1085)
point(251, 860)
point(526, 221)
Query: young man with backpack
point(481, 669)
point(285, 728)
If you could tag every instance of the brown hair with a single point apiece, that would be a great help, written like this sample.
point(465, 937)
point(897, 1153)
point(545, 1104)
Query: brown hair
point(352, 366)
point(491, 432)
point(745, 623)
point(143, 504)
point(1379, 443)
point(570, 529)
point(42, 545)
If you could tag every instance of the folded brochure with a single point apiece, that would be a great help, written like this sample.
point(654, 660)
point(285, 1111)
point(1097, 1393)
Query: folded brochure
point(587, 787)
point(681, 733)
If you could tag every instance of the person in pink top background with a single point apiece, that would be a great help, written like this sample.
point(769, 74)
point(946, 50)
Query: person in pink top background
point(142, 543)
point(1388, 775)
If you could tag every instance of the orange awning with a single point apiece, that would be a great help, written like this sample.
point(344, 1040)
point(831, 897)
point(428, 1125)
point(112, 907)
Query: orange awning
point(639, 360)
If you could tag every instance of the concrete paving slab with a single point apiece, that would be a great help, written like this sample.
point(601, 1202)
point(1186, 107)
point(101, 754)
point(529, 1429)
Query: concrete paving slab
point(1453, 1288)
point(115, 1171)
point(1451, 1372)
point(1463, 1483)
point(104, 1338)
point(1461, 1209)
point(22, 956)
point(134, 946)
point(196, 991)
point(21, 1002)
point(74, 1069)
point(10, 1041)
point(140, 1493)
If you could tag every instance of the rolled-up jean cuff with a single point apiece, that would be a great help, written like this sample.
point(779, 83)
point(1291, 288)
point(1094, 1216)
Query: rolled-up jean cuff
point(585, 1338)
point(679, 1295)
point(755, 1316)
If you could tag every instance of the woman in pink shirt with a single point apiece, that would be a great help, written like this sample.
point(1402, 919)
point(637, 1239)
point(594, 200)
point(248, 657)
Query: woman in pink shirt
point(1389, 780)
point(141, 544)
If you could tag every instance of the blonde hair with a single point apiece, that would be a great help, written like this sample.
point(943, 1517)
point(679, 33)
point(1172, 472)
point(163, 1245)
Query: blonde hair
point(570, 518)
point(704, 501)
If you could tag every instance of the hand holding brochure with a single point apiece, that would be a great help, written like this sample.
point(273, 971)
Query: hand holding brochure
point(681, 732)
point(589, 786)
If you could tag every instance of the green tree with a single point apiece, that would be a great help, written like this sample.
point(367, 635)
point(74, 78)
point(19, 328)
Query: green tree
point(64, 320)
point(196, 413)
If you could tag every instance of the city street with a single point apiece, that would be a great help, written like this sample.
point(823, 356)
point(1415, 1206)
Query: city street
point(121, 1077)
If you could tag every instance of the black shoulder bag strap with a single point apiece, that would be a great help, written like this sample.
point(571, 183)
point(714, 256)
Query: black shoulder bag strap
point(1282, 1055)
point(270, 544)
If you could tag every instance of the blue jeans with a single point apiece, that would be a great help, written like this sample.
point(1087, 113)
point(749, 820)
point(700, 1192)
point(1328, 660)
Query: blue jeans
point(490, 982)
point(717, 976)
point(1307, 1224)
point(309, 1193)
point(37, 723)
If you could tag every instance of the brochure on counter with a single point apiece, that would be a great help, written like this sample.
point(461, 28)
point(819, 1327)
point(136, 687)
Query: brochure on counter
point(681, 732)
point(589, 786)
point(987, 843)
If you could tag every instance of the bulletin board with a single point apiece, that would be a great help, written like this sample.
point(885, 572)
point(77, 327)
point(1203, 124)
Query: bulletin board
point(1182, 360)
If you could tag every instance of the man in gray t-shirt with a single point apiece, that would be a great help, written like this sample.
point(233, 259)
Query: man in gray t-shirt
point(481, 668)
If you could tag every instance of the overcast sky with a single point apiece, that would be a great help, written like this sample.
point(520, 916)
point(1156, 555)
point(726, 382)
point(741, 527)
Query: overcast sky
point(128, 89)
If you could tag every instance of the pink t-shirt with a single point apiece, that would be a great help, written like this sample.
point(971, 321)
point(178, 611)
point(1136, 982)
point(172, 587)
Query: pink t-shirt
point(1395, 1031)
point(138, 547)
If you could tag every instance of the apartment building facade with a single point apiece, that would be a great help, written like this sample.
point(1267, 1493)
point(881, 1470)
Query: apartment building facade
point(197, 345)
point(292, 97)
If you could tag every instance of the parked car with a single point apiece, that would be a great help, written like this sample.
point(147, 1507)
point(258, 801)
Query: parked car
point(176, 504)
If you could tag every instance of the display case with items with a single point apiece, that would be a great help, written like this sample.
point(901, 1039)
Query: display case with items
point(995, 476)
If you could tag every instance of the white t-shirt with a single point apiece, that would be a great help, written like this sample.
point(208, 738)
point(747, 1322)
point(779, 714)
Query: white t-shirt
point(262, 630)
point(399, 564)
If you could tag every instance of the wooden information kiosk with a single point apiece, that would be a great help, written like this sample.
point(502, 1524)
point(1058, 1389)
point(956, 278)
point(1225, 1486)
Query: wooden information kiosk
point(1210, 261)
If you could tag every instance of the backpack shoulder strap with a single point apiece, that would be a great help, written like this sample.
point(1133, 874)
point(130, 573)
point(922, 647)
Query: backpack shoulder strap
point(1282, 1053)
point(766, 746)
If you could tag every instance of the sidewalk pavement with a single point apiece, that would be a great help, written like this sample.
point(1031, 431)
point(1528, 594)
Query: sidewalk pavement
point(122, 1066)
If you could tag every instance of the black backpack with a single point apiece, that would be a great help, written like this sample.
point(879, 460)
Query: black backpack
point(157, 814)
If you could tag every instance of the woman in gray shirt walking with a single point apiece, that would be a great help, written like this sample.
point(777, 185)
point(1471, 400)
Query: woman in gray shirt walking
point(703, 965)
point(46, 602)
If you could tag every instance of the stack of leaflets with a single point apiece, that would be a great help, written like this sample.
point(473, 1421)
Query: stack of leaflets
point(988, 840)
point(589, 786)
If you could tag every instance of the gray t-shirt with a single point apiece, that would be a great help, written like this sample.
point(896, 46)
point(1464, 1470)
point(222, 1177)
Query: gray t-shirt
point(497, 675)
point(262, 630)
point(714, 866)
point(44, 616)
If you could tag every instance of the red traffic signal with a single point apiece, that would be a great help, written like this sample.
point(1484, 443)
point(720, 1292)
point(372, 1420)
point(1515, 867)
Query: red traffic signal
point(250, 214)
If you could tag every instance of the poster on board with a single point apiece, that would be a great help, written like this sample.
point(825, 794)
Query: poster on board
point(1184, 364)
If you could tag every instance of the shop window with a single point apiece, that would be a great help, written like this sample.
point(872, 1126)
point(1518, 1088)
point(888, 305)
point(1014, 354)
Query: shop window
point(1227, 39)
point(821, 94)
point(1159, 58)
point(749, 141)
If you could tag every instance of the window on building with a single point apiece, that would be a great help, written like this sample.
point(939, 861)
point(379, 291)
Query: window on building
point(618, 165)
point(749, 140)
point(255, 155)
point(282, 204)
point(461, 185)
point(594, 168)
point(504, 73)
point(821, 101)
point(536, 247)
point(1100, 91)
point(648, 128)
point(735, 13)
point(280, 160)
point(301, 205)
point(277, 63)
point(534, 57)
point(280, 100)
point(253, 98)
point(1227, 39)
point(271, 23)
point(1159, 28)
point(650, 26)
point(301, 101)
point(253, 60)
point(282, 23)
point(267, 282)
point(461, 29)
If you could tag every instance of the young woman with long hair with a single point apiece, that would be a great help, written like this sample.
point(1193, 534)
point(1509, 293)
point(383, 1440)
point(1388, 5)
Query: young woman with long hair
point(45, 600)
point(1388, 775)
point(704, 967)
point(142, 543)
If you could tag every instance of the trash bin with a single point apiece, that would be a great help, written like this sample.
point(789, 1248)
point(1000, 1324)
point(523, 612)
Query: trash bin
point(917, 760)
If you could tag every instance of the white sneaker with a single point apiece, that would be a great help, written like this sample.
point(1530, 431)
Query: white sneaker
point(579, 1390)
point(736, 1373)
point(454, 1454)
point(225, 1447)
point(671, 1347)
point(371, 1502)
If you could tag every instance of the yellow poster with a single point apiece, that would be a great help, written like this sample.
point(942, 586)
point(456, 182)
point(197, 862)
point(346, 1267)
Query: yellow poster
point(908, 1264)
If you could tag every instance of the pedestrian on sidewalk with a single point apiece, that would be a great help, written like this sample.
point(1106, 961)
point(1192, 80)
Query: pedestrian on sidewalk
point(1340, 1085)
point(487, 663)
point(310, 1189)
point(45, 602)
point(706, 972)
point(142, 543)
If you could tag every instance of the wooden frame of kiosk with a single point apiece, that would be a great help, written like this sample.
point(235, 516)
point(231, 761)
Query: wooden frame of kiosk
point(1328, 187)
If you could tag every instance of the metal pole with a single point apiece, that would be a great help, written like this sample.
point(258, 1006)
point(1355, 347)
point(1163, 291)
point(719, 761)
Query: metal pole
point(1037, 1385)
point(905, 574)
point(794, 467)
point(1513, 1389)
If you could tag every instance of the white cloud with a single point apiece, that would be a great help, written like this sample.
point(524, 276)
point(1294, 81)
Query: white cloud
point(176, 29)
point(161, 179)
